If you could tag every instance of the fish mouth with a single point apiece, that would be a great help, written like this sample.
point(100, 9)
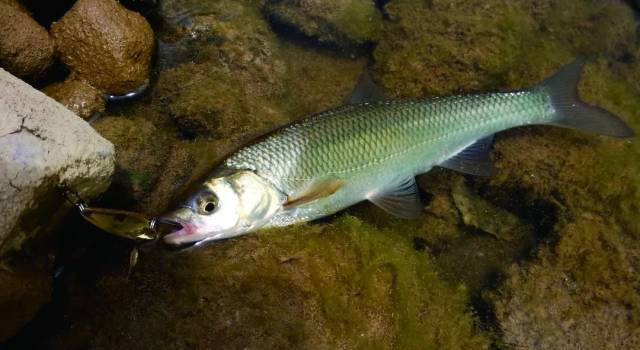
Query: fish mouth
point(177, 233)
point(171, 230)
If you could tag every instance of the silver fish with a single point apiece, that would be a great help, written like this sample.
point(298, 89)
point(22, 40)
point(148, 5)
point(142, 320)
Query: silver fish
point(373, 151)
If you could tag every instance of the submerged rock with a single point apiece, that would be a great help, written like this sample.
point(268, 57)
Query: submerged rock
point(105, 45)
point(42, 145)
point(477, 212)
point(78, 96)
point(580, 294)
point(442, 47)
point(579, 291)
point(341, 22)
point(26, 49)
point(243, 80)
point(346, 285)
point(141, 152)
point(241, 83)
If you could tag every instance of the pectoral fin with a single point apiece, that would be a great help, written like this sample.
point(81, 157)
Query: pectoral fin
point(401, 200)
point(316, 190)
point(473, 160)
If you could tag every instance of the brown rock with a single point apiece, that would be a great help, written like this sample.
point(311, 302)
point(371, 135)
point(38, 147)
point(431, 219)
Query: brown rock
point(78, 96)
point(26, 49)
point(105, 44)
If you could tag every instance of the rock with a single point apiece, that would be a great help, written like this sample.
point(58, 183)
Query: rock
point(580, 294)
point(26, 49)
point(346, 284)
point(244, 82)
point(78, 96)
point(489, 44)
point(42, 145)
point(477, 212)
point(341, 22)
point(105, 45)
point(141, 152)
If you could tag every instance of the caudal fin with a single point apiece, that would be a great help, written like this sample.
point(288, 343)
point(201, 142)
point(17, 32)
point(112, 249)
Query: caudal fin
point(572, 112)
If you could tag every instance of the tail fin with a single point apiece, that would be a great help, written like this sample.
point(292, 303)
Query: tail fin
point(572, 112)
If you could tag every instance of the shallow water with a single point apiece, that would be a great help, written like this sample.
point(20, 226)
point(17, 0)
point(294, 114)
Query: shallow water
point(544, 254)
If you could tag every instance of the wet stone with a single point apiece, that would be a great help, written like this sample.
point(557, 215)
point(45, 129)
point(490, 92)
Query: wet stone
point(81, 98)
point(26, 49)
point(478, 213)
point(105, 45)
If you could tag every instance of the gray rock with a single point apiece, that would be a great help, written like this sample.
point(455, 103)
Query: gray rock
point(42, 144)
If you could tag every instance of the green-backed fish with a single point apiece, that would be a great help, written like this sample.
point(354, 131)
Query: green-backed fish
point(372, 151)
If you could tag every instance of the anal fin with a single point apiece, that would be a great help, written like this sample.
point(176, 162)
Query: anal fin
point(473, 160)
point(401, 200)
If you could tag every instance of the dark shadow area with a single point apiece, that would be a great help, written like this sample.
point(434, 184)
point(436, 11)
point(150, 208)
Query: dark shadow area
point(295, 36)
point(47, 12)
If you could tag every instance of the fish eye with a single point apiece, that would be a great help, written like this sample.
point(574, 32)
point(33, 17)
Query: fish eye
point(207, 203)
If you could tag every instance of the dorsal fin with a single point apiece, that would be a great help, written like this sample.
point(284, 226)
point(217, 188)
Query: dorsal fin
point(401, 199)
point(316, 190)
point(473, 160)
point(365, 90)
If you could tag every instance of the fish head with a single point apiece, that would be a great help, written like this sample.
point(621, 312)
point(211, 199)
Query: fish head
point(224, 207)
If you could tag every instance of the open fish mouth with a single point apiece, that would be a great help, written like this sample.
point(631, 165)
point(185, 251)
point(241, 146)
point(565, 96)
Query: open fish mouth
point(176, 232)
point(166, 227)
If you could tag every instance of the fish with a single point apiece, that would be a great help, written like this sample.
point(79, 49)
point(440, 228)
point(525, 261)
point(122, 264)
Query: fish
point(372, 151)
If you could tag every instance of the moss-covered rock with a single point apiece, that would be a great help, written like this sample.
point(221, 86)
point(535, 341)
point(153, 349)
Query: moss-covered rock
point(441, 47)
point(579, 294)
point(346, 284)
point(81, 98)
point(141, 149)
point(241, 83)
point(341, 22)
point(244, 81)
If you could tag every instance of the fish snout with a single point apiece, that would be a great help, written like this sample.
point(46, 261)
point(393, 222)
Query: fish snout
point(172, 229)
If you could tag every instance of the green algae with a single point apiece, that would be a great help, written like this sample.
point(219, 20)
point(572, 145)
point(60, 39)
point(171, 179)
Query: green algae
point(460, 46)
point(245, 81)
point(344, 23)
point(580, 294)
point(140, 144)
point(345, 284)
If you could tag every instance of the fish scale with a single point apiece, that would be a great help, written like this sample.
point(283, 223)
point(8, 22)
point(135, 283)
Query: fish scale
point(379, 137)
